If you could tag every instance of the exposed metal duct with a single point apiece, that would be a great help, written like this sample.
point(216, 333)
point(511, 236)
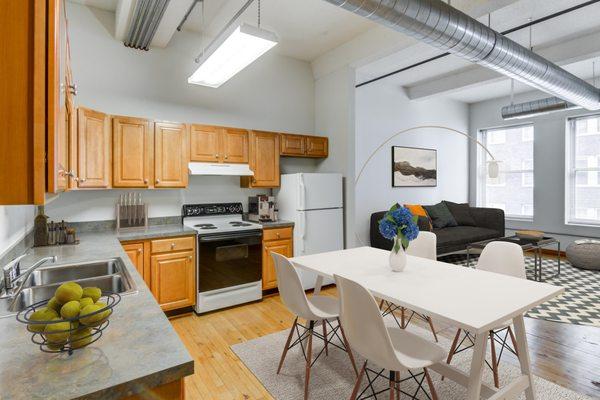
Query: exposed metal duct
point(536, 107)
point(442, 26)
point(144, 22)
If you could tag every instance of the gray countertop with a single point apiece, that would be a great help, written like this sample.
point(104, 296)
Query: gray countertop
point(277, 224)
point(139, 349)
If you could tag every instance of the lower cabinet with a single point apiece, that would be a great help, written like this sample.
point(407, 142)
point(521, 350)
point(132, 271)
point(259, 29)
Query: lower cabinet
point(168, 267)
point(275, 240)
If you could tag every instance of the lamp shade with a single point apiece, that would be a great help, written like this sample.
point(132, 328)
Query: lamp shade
point(493, 169)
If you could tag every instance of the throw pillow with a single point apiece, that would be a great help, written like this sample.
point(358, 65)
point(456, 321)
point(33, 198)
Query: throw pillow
point(440, 216)
point(417, 209)
point(461, 213)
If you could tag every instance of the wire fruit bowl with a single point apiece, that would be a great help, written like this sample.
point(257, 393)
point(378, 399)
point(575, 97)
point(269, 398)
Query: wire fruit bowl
point(77, 336)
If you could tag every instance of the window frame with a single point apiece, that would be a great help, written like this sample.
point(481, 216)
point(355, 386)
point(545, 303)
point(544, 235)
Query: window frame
point(571, 171)
point(482, 158)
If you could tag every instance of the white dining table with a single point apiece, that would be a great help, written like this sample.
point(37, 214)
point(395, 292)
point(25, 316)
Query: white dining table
point(466, 298)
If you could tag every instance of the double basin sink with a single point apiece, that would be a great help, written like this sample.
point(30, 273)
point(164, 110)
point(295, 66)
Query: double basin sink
point(109, 275)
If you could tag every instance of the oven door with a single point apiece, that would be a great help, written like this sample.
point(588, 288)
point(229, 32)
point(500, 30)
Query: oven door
point(227, 260)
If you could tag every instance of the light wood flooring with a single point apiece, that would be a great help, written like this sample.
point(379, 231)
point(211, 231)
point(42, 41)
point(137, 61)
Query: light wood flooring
point(566, 354)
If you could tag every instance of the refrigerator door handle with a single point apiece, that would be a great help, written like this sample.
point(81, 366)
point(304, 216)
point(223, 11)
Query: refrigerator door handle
point(302, 193)
point(302, 233)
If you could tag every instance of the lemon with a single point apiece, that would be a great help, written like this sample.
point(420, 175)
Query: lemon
point(43, 314)
point(93, 292)
point(68, 292)
point(58, 332)
point(54, 304)
point(81, 337)
point(92, 320)
point(85, 301)
point(70, 309)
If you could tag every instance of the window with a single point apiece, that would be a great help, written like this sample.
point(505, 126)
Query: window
point(513, 189)
point(583, 171)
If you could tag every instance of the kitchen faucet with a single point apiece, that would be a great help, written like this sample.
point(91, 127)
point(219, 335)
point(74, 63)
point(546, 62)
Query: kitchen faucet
point(12, 274)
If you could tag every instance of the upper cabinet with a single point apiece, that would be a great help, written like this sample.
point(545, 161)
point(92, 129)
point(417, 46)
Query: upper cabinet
point(93, 149)
point(263, 160)
point(304, 146)
point(132, 146)
point(170, 155)
point(218, 144)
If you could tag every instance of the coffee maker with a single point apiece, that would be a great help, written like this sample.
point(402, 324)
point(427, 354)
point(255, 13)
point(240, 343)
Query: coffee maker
point(261, 208)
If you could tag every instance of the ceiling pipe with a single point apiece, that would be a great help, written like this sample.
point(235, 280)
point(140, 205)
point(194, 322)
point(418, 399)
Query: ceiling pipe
point(536, 108)
point(144, 22)
point(440, 25)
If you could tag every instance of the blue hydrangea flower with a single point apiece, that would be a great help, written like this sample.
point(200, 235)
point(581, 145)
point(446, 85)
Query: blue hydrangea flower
point(387, 229)
point(399, 221)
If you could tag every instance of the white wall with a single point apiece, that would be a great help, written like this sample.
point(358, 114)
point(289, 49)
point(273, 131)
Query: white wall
point(549, 166)
point(274, 93)
point(382, 109)
point(15, 223)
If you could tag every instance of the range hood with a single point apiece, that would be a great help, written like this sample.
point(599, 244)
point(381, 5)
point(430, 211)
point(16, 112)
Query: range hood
point(204, 168)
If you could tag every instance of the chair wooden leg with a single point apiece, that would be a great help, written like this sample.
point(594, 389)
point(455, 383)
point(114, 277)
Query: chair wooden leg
point(453, 348)
point(325, 337)
point(381, 305)
point(398, 385)
point(392, 384)
point(494, 360)
point(513, 340)
point(434, 395)
point(358, 381)
point(287, 345)
point(308, 358)
point(347, 346)
point(402, 323)
point(432, 328)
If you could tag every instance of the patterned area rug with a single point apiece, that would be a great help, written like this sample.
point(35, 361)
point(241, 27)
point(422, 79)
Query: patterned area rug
point(332, 377)
point(579, 305)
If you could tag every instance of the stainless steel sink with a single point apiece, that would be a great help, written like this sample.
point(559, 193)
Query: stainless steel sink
point(108, 275)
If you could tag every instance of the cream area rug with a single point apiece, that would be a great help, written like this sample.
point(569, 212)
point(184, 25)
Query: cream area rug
point(332, 377)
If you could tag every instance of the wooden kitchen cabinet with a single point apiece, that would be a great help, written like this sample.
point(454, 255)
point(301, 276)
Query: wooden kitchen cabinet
point(170, 155)
point(93, 155)
point(304, 146)
point(218, 144)
point(280, 241)
point(132, 147)
point(168, 267)
point(173, 278)
point(263, 160)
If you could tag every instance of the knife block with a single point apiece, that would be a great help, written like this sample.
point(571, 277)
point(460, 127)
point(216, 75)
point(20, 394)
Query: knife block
point(131, 217)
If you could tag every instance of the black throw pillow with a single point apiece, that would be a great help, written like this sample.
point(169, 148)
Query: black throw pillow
point(440, 215)
point(461, 213)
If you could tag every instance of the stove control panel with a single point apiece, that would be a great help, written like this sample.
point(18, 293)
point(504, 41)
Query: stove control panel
point(200, 210)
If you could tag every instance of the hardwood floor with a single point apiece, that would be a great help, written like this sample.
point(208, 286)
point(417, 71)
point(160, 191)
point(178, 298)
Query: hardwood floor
point(566, 354)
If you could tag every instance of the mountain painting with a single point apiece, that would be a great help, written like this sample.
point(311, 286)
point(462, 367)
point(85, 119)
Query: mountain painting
point(413, 167)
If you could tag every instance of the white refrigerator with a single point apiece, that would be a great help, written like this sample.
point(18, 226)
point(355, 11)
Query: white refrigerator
point(314, 202)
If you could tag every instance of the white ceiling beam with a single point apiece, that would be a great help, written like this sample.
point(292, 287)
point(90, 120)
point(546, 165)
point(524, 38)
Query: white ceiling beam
point(122, 17)
point(563, 53)
point(380, 42)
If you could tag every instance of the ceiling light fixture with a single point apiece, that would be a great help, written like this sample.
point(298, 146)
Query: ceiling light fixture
point(234, 48)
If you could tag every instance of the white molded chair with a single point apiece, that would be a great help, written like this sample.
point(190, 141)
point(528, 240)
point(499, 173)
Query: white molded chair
point(390, 348)
point(315, 308)
point(425, 246)
point(502, 258)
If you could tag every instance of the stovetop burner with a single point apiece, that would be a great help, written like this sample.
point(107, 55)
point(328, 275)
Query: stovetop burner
point(236, 223)
point(205, 226)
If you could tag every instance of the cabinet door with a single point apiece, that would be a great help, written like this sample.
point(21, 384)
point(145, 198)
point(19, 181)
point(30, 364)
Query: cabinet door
point(170, 155)
point(173, 277)
point(283, 247)
point(234, 145)
point(292, 145)
point(135, 252)
point(264, 160)
point(131, 152)
point(317, 146)
point(93, 137)
point(205, 143)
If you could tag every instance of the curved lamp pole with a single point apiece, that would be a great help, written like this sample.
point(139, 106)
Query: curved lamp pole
point(493, 168)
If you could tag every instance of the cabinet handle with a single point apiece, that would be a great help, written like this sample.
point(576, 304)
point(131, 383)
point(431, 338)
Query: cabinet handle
point(172, 246)
point(145, 180)
point(71, 175)
point(158, 181)
point(226, 157)
point(139, 250)
point(190, 258)
point(73, 89)
point(216, 156)
point(82, 180)
point(278, 235)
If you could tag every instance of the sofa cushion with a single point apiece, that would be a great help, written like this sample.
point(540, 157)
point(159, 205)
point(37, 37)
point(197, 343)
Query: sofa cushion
point(463, 235)
point(440, 216)
point(461, 213)
point(418, 210)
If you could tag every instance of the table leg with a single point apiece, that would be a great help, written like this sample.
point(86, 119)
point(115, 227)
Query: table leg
point(476, 372)
point(468, 256)
point(535, 265)
point(524, 360)
point(318, 284)
point(558, 256)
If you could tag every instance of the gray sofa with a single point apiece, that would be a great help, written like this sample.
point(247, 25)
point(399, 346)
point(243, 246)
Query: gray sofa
point(489, 225)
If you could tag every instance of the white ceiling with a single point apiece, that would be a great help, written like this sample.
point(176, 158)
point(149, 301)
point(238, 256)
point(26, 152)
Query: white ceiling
point(108, 5)
point(547, 38)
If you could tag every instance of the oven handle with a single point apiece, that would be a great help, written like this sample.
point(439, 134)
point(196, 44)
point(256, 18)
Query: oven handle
point(226, 237)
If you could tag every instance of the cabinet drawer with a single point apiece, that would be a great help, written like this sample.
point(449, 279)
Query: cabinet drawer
point(277, 234)
point(173, 244)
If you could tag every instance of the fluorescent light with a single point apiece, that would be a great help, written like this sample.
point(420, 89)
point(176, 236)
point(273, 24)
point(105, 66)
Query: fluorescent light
point(230, 53)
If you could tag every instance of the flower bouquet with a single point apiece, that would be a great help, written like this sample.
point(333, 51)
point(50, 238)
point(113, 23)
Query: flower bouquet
point(399, 225)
